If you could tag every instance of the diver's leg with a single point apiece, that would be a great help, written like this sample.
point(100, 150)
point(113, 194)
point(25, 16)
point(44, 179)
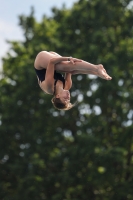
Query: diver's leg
point(83, 68)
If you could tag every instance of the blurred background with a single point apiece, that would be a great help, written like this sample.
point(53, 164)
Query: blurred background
point(85, 153)
point(9, 12)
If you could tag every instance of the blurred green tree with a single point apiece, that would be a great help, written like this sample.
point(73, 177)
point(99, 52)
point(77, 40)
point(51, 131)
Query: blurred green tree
point(84, 153)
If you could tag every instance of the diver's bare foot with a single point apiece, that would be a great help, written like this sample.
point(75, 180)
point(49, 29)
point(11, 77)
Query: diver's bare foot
point(102, 73)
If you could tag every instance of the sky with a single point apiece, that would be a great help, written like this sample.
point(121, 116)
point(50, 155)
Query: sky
point(11, 9)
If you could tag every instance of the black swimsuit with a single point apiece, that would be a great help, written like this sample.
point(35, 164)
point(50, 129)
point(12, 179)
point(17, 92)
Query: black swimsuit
point(57, 76)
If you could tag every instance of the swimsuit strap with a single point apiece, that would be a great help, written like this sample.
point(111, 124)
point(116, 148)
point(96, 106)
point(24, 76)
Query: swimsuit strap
point(63, 83)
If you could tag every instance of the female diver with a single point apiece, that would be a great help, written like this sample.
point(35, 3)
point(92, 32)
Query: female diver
point(51, 82)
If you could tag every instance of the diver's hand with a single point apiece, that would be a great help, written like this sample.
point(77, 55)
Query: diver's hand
point(74, 60)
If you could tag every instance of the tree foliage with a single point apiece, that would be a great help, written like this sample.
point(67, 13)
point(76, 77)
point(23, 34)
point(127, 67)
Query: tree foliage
point(84, 153)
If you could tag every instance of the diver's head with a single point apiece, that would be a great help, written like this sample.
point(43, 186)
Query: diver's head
point(61, 100)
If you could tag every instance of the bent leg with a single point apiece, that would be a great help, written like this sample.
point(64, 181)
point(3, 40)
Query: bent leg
point(83, 68)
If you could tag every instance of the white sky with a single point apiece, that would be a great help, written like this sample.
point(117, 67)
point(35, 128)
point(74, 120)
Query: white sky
point(11, 9)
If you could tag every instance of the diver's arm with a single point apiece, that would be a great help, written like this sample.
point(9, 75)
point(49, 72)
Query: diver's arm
point(49, 77)
point(68, 81)
point(60, 59)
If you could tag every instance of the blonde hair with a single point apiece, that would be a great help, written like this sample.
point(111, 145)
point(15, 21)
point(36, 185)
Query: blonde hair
point(60, 105)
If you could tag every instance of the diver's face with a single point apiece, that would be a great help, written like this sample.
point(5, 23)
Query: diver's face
point(64, 96)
